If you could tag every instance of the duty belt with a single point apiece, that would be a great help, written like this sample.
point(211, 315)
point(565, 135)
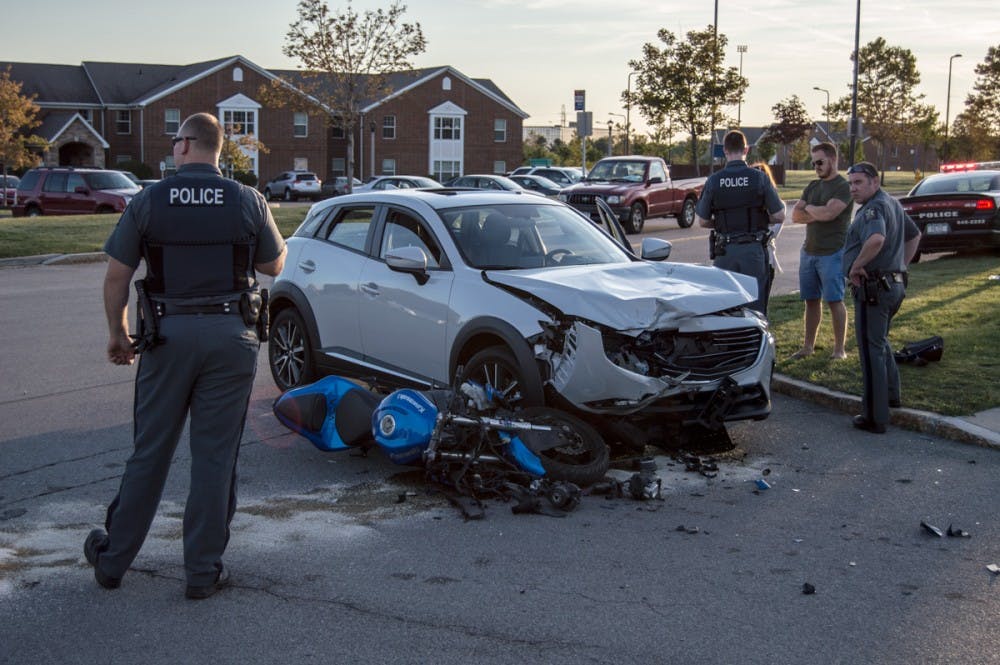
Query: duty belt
point(170, 309)
point(742, 238)
point(898, 277)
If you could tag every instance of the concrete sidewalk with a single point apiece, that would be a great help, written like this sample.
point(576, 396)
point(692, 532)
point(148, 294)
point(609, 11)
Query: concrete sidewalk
point(981, 429)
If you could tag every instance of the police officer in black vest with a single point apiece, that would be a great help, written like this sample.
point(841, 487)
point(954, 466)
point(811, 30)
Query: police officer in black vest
point(739, 203)
point(202, 237)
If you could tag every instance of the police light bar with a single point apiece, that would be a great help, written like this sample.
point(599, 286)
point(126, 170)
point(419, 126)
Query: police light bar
point(955, 167)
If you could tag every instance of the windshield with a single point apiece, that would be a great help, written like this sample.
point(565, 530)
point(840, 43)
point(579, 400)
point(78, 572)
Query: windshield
point(420, 181)
point(109, 180)
point(528, 235)
point(618, 170)
point(959, 183)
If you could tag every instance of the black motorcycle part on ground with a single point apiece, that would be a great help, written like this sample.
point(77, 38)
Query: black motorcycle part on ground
point(306, 411)
point(354, 416)
point(579, 455)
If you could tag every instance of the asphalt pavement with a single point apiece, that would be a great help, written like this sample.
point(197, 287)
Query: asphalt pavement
point(982, 429)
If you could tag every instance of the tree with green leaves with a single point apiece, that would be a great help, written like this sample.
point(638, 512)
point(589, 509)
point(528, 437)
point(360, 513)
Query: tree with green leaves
point(233, 159)
point(685, 82)
point(18, 147)
point(346, 61)
point(977, 128)
point(791, 123)
point(887, 99)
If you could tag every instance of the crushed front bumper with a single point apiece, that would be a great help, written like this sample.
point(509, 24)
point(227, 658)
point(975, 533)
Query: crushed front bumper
point(583, 374)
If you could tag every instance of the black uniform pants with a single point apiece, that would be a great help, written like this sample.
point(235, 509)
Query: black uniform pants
point(749, 258)
point(204, 370)
point(880, 376)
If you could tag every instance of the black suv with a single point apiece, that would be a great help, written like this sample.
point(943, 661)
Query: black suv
point(63, 190)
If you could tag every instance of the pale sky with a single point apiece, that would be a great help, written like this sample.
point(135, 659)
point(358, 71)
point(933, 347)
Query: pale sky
point(539, 51)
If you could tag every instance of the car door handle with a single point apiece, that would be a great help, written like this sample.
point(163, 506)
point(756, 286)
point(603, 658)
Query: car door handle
point(371, 288)
point(307, 265)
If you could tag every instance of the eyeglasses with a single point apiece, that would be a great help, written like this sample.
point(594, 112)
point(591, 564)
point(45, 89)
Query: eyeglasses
point(178, 139)
point(864, 168)
point(818, 163)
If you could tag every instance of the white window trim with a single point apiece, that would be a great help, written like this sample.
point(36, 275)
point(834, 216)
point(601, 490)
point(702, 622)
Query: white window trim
point(296, 125)
point(167, 121)
point(497, 121)
point(118, 121)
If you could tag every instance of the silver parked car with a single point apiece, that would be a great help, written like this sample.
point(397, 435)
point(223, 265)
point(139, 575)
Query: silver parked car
point(292, 185)
point(420, 288)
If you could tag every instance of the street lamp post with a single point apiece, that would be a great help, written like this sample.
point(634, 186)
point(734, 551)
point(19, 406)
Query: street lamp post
point(816, 87)
point(611, 142)
point(628, 111)
point(947, 104)
point(854, 87)
point(741, 49)
point(715, 74)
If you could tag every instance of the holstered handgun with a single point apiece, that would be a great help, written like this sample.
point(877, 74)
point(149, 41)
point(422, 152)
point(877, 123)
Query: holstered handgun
point(147, 324)
point(711, 245)
point(716, 244)
point(253, 309)
point(871, 287)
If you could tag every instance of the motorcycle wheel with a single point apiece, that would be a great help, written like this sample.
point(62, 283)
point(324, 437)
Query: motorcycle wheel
point(583, 460)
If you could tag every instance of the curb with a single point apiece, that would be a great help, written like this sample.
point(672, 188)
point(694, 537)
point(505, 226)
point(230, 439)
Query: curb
point(947, 427)
point(53, 259)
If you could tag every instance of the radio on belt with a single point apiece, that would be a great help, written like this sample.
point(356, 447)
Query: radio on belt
point(197, 196)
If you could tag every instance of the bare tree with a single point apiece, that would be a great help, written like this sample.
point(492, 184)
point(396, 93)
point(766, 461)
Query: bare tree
point(346, 61)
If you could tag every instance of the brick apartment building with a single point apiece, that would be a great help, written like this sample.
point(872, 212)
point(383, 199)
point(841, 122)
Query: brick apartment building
point(435, 121)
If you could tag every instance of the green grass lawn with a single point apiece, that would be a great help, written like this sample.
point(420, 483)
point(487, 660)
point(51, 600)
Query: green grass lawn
point(71, 234)
point(896, 182)
point(955, 297)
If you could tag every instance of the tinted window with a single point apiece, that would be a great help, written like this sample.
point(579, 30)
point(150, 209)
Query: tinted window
point(29, 181)
point(350, 229)
point(74, 180)
point(56, 182)
point(305, 177)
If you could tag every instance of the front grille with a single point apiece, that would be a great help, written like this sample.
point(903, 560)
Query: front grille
point(582, 199)
point(712, 355)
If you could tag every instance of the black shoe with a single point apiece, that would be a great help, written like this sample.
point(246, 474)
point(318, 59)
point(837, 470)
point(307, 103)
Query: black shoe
point(97, 542)
point(202, 592)
point(863, 423)
point(895, 403)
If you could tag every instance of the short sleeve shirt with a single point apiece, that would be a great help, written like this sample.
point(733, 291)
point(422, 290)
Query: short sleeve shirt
point(772, 200)
point(826, 238)
point(882, 215)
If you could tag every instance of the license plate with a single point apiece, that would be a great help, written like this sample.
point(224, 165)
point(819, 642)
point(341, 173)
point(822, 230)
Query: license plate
point(937, 228)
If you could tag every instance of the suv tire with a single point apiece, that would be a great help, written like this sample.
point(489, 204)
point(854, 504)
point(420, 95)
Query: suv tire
point(289, 351)
point(496, 366)
point(288, 194)
point(267, 194)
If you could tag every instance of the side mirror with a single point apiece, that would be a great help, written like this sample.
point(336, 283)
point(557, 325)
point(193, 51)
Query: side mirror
point(655, 249)
point(411, 260)
point(655, 180)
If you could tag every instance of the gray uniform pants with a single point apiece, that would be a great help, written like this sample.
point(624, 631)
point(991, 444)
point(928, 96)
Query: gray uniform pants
point(206, 369)
point(880, 376)
point(749, 258)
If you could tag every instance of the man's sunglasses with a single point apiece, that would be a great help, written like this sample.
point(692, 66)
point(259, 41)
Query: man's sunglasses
point(818, 163)
point(178, 139)
point(865, 168)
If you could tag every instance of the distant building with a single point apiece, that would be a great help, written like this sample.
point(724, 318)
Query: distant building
point(434, 121)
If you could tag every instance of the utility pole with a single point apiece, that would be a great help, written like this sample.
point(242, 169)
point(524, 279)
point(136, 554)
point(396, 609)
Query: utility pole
point(741, 49)
point(816, 87)
point(628, 113)
point(947, 104)
point(854, 88)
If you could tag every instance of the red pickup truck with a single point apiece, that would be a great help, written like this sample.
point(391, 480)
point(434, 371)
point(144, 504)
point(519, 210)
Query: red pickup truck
point(636, 187)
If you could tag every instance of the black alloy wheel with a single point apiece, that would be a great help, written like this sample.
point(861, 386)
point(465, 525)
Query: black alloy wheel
point(495, 366)
point(289, 352)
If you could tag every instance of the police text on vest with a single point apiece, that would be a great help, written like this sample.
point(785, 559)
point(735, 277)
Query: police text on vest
point(734, 182)
point(196, 196)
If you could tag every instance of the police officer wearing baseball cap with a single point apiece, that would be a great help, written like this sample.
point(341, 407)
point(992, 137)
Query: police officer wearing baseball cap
point(202, 237)
point(739, 203)
point(880, 243)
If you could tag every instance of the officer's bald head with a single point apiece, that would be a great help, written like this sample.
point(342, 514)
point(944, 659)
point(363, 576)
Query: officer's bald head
point(207, 131)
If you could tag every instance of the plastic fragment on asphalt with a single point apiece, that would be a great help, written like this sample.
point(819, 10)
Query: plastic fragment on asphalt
point(762, 484)
point(808, 589)
point(993, 568)
point(688, 529)
point(931, 529)
point(957, 533)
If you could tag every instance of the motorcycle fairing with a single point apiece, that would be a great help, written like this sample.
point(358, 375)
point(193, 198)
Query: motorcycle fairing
point(333, 413)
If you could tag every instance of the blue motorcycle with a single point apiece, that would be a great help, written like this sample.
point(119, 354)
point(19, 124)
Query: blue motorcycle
point(463, 438)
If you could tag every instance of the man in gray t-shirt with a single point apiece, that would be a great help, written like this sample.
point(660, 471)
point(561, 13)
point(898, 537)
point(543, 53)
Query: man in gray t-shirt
point(880, 243)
